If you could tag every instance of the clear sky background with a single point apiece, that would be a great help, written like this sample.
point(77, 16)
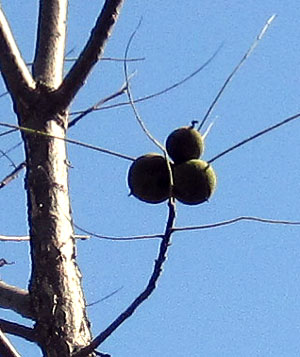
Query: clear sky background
point(230, 291)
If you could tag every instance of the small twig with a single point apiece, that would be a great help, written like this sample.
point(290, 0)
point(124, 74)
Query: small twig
point(13, 147)
point(162, 255)
point(235, 220)
point(97, 105)
point(4, 262)
point(8, 132)
point(70, 141)
point(163, 91)
point(12, 175)
point(229, 78)
point(4, 238)
point(4, 154)
point(6, 348)
point(105, 297)
point(260, 133)
point(101, 354)
point(3, 94)
point(114, 59)
point(117, 238)
point(130, 97)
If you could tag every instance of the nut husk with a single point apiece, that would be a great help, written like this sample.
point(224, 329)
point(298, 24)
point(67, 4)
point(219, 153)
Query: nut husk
point(185, 143)
point(148, 178)
point(194, 182)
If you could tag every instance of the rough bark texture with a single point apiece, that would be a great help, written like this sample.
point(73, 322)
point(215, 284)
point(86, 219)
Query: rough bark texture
point(55, 285)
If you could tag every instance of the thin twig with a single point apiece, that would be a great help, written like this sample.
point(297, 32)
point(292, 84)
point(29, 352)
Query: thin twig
point(235, 220)
point(97, 105)
point(105, 297)
point(4, 238)
point(200, 227)
point(4, 154)
point(130, 97)
point(5, 262)
point(138, 117)
point(13, 147)
point(229, 78)
point(8, 132)
point(70, 141)
point(157, 270)
point(114, 59)
point(92, 234)
point(260, 133)
point(163, 91)
point(12, 175)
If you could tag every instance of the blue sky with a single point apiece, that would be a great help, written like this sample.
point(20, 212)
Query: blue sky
point(231, 291)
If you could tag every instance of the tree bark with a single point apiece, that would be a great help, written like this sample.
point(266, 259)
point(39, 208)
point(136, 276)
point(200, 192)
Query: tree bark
point(55, 301)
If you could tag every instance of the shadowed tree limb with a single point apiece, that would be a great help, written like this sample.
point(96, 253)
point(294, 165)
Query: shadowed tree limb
point(6, 348)
point(18, 330)
point(15, 299)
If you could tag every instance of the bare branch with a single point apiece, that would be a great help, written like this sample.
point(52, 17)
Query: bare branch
point(113, 59)
point(156, 94)
point(15, 299)
point(11, 148)
point(131, 100)
point(4, 154)
point(4, 238)
point(50, 48)
point(235, 70)
point(162, 256)
point(235, 220)
point(4, 262)
point(91, 54)
point(260, 133)
point(8, 132)
point(18, 330)
point(12, 175)
point(71, 141)
point(15, 73)
point(98, 105)
point(6, 348)
point(150, 236)
point(105, 297)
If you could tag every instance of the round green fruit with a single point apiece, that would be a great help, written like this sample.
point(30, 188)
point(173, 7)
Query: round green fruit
point(194, 182)
point(149, 179)
point(184, 144)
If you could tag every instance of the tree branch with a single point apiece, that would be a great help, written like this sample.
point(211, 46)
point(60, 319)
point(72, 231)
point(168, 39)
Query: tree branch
point(50, 48)
point(27, 238)
point(162, 256)
point(12, 175)
point(16, 75)
point(6, 348)
point(18, 330)
point(15, 299)
point(91, 53)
